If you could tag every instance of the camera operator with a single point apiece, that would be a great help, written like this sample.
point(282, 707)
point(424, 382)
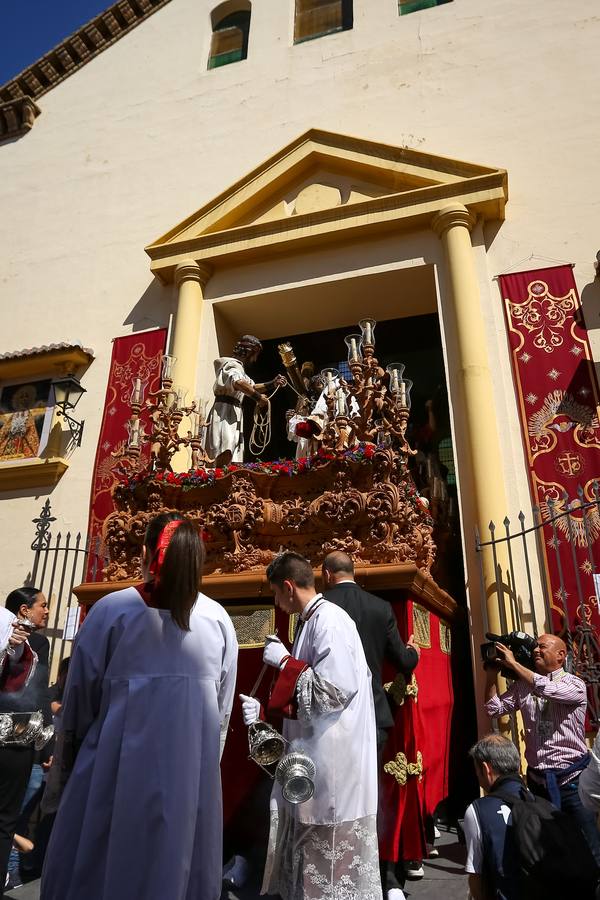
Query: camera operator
point(553, 705)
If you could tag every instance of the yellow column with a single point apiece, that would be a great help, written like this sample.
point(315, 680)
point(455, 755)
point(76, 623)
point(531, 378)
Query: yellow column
point(453, 225)
point(190, 279)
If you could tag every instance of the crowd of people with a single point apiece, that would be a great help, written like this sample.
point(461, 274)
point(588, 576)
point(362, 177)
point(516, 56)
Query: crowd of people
point(132, 805)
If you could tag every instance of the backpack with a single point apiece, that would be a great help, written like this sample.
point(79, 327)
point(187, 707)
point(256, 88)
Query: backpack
point(554, 857)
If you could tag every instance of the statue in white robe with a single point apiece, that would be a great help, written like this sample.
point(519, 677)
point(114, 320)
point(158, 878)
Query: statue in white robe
point(326, 848)
point(148, 706)
point(225, 431)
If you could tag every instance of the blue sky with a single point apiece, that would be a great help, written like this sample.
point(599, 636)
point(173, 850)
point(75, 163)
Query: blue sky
point(29, 28)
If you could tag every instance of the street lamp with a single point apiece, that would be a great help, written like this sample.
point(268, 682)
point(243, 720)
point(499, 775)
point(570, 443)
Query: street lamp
point(67, 394)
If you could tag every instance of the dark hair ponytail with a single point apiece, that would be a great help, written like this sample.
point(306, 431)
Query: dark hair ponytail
point(24, 596)
point(181, 571)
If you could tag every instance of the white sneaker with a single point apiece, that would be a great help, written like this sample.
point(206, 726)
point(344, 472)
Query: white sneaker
point(432, 852)
point(414, 869)
point(436, 832)
point(396, 894)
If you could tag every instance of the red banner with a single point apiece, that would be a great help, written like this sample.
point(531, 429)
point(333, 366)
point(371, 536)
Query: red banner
point(133, 356)
point(557, 392)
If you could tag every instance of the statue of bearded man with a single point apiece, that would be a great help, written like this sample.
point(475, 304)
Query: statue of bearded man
point(225, 432)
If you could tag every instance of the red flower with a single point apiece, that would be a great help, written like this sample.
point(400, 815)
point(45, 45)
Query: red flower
point(369, 451)
point(218, 473)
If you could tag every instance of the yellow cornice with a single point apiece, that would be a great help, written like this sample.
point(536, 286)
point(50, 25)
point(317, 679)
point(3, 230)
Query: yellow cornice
point(415, 187)
point(28, 473)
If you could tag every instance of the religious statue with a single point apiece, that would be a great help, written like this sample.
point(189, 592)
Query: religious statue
point(225, 433)
point(304, 424)
point(20, 426)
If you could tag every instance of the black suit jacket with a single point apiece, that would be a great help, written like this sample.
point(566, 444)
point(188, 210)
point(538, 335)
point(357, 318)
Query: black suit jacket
point(380, 638)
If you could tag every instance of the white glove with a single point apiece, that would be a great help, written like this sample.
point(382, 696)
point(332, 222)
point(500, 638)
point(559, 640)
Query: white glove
point(275, 652)
point(250, 709)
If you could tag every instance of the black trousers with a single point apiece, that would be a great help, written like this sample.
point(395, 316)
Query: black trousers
point(15, 769)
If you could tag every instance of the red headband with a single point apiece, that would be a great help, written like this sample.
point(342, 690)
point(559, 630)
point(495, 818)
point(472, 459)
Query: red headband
point(164, 539)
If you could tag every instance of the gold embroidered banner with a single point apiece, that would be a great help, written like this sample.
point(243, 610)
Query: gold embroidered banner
point(134, 356)
point(557, 393)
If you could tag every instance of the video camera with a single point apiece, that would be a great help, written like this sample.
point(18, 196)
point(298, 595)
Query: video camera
point(521, 644)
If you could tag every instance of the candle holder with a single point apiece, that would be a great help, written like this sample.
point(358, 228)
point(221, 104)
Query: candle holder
point(329, 377)
point(354, 344)
point(340, 403)
point(168, 363)
point(395, 371)
point(404, 396)
point(136, 398)
point(135, 435)
point(367, 327)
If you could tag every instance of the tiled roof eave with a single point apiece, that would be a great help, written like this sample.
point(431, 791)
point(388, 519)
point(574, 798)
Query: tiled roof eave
point(78, 49)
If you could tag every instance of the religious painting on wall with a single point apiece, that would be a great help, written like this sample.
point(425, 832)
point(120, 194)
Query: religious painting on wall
point(24, 419)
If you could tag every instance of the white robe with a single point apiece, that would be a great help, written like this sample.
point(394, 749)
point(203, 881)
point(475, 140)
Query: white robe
point(326, 848)
point(141, 815)
point(225, 424)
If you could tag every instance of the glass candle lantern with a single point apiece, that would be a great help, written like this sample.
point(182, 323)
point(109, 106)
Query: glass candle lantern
point(354, 345)
point(395, 371)
point(367, 327)
point(340, 402)
point(404, 393)
point(168, 363)
point(135, 430)
point(330, 377)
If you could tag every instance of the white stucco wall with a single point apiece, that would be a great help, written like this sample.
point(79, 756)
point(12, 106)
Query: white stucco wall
point(144, 135)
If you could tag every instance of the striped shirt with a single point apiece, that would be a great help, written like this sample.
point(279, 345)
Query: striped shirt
point(553, 711)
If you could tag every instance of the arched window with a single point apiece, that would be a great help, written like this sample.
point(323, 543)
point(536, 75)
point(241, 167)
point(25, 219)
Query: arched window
point(409, 6)
point(231, 29)
point(315, 18)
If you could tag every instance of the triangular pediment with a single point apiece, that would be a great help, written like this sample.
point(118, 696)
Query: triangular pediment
point(322, 175)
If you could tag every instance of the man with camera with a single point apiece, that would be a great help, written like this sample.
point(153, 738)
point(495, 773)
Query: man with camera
point(553, 706)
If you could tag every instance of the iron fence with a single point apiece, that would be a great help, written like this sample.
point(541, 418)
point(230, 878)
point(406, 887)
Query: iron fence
point(518, 553)
point(60, 563)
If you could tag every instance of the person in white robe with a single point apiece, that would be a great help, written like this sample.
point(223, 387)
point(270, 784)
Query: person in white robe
point(146, 708)
point(325, 848)
point(225, 431)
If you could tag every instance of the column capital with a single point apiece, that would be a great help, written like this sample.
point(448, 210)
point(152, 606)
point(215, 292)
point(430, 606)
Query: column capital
point(450, 216)
point(190, 270)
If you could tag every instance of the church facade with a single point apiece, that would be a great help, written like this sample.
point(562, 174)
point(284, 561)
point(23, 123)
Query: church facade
point(285, 169)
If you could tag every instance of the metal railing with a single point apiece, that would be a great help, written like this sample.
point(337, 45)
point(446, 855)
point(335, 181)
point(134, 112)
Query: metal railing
point(564, 536)
point(60, 563)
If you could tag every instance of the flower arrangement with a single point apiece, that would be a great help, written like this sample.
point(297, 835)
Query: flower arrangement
point(281, 467)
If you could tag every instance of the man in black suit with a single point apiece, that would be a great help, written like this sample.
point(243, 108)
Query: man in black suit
point(381, 641)
point(378, 632)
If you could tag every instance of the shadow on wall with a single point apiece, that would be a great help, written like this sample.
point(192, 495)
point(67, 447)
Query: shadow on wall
point(153, 308)
point(590, 302)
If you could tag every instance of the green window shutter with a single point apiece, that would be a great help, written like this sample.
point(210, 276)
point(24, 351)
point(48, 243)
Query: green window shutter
point(409, 6)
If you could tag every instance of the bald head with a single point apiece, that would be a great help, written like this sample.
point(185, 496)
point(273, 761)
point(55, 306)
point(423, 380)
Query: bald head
point(337, 566)
point(550, 654)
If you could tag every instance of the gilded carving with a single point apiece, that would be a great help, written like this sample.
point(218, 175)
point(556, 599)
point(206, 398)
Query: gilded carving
point(247, 516)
